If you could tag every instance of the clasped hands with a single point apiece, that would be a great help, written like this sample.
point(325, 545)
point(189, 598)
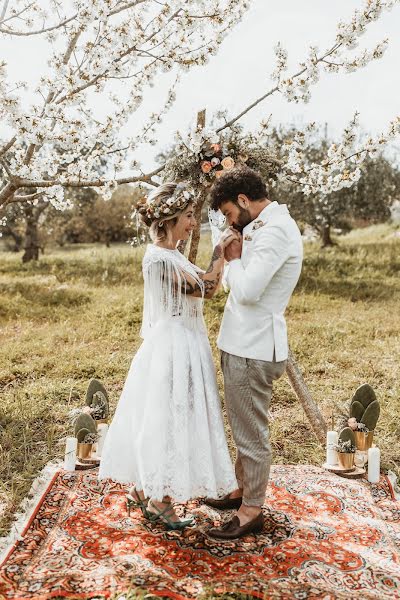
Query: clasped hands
point(231, 241)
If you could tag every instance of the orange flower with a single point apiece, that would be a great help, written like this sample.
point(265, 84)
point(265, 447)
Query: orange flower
point(228, 163)
point(219, 173)
point(206, 166)
point(216, 148)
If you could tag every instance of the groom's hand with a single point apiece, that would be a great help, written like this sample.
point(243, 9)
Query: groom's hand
point(234, 250)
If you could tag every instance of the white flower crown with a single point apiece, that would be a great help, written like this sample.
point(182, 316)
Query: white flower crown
point(177, 202)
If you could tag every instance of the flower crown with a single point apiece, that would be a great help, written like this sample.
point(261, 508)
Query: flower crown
point(181, 197)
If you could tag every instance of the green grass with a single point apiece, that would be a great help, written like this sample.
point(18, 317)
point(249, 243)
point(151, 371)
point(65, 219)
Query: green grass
point(77, 313)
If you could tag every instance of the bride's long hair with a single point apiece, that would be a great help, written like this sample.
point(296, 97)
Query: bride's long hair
point(160, 228)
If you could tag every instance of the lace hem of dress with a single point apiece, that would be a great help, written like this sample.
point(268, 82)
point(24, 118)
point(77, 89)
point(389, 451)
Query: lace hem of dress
point(197, 492)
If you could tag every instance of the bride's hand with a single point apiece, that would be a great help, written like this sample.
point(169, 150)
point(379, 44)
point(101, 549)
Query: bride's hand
point(229, 236)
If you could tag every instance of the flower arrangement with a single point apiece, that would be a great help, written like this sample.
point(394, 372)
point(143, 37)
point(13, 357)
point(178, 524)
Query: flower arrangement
point(178, 201)
point(204, 155)
point(97, 413)
point(214, 163)
point(355, 426)
point(345, 446)
point(85, 420)
point(361, 416)
point(97, 401)
point(90, 438)
point(364, 409)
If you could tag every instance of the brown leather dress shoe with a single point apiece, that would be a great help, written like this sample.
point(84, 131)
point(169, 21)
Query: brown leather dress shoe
point(224, 503)
point(232, 529)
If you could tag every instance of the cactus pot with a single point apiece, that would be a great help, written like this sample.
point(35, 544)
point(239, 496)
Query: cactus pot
point(346, 459)
point(84, 450)
point(363, 440)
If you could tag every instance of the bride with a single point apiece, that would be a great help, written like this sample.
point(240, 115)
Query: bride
point(167, 435)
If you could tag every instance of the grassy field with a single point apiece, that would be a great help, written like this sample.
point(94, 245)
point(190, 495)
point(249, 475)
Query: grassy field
point(77, 313)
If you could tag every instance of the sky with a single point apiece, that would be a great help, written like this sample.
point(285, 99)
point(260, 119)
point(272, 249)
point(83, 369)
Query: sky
point(240, 73)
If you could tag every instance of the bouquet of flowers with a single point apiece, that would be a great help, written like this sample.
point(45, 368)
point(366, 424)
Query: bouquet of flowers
point(204, 155)
point(355, 426)
point(345, 446)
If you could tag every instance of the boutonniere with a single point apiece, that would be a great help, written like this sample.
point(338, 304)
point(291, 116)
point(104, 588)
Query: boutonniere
point(248, 238)
point(257, 225)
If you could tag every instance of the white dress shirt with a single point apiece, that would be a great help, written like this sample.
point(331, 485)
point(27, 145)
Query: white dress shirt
point(261, 283)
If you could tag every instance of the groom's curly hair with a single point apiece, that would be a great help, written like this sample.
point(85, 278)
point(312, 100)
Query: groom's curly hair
point(241, 180)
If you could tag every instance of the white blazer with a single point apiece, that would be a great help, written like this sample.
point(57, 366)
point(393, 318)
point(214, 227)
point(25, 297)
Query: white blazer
point(261, 283)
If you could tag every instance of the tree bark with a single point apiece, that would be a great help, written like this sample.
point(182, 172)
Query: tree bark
point(194, 242)
point(312, 411)
point(182, 246)
point(31, 244)
point(16, 238)
point(325, 233)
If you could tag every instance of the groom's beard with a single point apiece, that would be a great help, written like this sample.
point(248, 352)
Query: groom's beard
point(243, 219)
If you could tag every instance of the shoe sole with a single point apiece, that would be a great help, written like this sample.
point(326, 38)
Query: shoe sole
point(228, 539)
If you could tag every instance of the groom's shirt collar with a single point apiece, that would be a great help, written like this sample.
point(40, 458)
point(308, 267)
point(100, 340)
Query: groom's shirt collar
point(264, 214)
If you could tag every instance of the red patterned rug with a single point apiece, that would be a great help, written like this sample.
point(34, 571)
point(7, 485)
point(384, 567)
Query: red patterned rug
point(324, 537)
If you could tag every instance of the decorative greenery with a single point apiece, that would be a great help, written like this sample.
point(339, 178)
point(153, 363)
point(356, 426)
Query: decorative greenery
point(364, 409)
point(345, 447)
point(97, 400)
point(85, 426)
point(346, 442)
point(90, 438)
point(355, 426)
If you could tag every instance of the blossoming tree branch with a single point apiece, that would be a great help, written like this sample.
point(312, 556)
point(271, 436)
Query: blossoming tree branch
point(103, 46)
point(109, 47)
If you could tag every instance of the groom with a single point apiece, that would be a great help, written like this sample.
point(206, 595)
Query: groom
point(262, 273)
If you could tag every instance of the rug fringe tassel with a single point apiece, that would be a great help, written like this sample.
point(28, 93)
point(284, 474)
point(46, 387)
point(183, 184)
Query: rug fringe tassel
point(395, 484)
point(27, 506)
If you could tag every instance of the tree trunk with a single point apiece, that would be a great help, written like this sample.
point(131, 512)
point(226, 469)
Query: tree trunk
point(312, 411)
point(16, 238)
point(325, 233)
point(31, 244)
point(194, 243)
point(182, 246)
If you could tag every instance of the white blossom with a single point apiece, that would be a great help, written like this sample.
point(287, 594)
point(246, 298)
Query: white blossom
point(336, 58)
point(104, 46)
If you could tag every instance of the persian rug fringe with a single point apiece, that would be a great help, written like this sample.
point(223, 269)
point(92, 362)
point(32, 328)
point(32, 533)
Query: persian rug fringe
point(395, 484)
point(28, 506)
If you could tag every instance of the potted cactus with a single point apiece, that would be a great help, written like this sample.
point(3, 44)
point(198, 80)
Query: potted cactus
point(364, 415)
point(346, 448)
point(97, 401)
point(86, 433)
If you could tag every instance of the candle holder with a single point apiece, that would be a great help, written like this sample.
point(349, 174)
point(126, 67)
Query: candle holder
point(360, 458)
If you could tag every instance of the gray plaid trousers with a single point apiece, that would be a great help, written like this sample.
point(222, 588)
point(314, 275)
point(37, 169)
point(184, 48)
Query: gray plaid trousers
point(248, 391)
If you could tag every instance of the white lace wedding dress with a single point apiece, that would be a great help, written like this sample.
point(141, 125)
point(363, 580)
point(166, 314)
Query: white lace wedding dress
point(167, 434)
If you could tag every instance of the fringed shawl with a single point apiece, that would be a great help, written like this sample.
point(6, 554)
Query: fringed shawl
point(164, 273)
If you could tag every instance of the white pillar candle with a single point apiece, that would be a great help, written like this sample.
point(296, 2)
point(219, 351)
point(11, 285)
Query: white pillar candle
point(102, 429)
point(374, 468)
point(70, 453)
point(331, 454)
